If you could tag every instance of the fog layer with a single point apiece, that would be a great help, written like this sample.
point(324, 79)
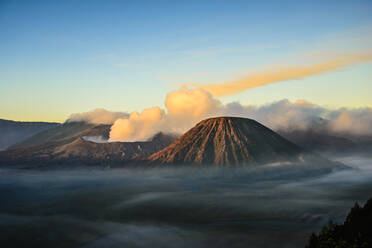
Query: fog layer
point(272, 206)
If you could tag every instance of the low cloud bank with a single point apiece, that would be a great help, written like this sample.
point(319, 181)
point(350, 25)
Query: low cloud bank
point(187, 106)
point(303, 115)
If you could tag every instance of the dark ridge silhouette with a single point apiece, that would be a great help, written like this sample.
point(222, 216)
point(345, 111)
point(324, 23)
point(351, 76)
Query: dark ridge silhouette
point(65, 132)
point(356, 231)
point(319, 141)
point(228, 141)
point(69, 144)
point(13, 132)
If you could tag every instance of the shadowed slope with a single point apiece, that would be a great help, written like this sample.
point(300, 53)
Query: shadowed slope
point(69, 144)
point(13, 132)
point(228, 140)
point(66, 131)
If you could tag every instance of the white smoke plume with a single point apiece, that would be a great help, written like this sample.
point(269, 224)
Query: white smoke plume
point(95, 139)
point(185, 107)
point(139, 126)
point(97, 116)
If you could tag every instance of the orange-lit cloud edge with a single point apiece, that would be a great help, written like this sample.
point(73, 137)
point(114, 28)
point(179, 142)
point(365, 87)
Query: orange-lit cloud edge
point(193, 102)
point(284, 73)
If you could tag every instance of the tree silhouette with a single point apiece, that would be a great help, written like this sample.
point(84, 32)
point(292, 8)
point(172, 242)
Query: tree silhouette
point(355, 232)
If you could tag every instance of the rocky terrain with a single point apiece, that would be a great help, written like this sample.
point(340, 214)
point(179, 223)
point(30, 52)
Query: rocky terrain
point(228, 141)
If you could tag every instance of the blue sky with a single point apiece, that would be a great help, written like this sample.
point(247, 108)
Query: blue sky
point(62, 57)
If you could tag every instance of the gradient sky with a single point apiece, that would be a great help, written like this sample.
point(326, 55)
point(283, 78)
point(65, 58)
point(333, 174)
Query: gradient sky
point(63, 57)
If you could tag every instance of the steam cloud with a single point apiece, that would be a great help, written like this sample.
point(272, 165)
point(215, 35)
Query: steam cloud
point(139, 126)
point(303, 115)
point(97, 116)
point(282, 74)
point(191, 102)
point(187, 106)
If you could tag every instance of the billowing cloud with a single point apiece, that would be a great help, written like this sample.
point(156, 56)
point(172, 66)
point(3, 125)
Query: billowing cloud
point(194, 103)
point(357, 122)
point(139, 126)
point(185, 107)
point(97, 116)
point(280, 115)
point(284, 74)
point(303, 115)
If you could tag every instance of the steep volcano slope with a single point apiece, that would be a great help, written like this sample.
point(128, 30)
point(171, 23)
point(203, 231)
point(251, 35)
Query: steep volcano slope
point(228, 141)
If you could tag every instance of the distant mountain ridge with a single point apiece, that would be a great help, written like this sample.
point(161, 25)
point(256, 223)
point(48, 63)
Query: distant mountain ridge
point(70, 144)
point(319, 137)
point(65, 132)
point(13, 132)
point(319, 141)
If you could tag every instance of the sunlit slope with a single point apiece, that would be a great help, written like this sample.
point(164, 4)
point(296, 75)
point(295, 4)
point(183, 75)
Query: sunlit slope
point(228, 141)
